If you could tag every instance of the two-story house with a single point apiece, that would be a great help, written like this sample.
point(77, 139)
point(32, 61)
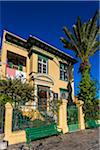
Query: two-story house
point(40, 63)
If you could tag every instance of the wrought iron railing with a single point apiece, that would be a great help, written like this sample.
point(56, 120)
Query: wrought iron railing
point(27, 116)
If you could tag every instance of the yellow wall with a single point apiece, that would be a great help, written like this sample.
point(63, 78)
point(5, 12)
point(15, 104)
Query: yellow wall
point(32, 62)
point(6, 46)
point(53, 69)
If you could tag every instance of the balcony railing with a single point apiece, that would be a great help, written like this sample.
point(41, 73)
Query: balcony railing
point(17, 67)
point(14, 71)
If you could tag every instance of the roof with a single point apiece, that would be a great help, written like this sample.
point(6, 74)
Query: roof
point(34, 41)
point(49, 48)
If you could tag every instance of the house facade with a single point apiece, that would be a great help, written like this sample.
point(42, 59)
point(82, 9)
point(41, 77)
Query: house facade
point(46, 68)
point(43, 65)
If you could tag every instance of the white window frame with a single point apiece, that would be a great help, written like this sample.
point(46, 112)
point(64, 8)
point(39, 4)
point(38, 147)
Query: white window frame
point(63, 71)
point(42, 63)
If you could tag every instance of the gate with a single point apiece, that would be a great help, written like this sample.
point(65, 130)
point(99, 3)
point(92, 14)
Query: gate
point(72, 118)
point(28, 116)
point(2, 119)
point(35, 119)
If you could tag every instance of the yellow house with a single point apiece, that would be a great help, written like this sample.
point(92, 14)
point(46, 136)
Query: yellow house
point(45, 66)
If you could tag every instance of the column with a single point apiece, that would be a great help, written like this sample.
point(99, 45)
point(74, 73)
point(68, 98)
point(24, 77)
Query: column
point(62, 120)
point(35, 98)
point(8, 120)
point(27, 68)
point(80, 114)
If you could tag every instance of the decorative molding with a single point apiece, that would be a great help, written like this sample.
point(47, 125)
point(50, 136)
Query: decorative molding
point(42, 77)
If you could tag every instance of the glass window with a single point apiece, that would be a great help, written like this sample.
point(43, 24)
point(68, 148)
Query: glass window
point(39, 67)
point(63, 93)
point(42, 64)
point(63, 72)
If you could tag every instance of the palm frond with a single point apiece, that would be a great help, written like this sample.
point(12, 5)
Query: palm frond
point(70, 35)
point(68, 44)
point(73, 40)
point(78, 28)
point(75, 32)
point(84, 40)
point(93, 23)
point(93, 39)
point(95, 48)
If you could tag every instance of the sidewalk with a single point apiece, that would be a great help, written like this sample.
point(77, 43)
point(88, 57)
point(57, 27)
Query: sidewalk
point(81, 140)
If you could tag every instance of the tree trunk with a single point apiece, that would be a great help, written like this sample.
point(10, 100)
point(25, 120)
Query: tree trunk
point(69, 86)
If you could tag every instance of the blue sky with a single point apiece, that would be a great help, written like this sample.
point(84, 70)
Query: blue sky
point(45, 20)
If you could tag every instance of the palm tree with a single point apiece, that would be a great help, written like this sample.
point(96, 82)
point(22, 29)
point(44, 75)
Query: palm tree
point(84, 42)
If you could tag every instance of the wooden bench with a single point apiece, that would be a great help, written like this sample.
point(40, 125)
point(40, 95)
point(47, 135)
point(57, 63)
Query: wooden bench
point(41, 132)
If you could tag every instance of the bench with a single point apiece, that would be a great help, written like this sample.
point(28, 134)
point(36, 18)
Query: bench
point(41, 132)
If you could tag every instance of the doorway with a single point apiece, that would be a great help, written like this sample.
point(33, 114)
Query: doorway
point(43, 93)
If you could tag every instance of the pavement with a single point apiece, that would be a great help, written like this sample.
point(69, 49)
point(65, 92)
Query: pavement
point(81, 140)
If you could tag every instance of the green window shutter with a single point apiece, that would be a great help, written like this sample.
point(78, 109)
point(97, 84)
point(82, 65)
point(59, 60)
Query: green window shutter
point(43, 57)
point(20, 67)
point(10, 64)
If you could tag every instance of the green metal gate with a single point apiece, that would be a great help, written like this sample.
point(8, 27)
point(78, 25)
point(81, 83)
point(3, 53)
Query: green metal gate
point(2, 119)
point(36, 119)
point(72, 118)
point(29, 116)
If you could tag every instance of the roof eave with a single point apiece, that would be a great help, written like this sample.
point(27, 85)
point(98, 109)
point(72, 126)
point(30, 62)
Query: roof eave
point(50, 47)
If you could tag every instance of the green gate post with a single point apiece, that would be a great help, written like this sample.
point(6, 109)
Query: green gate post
point(79, 104)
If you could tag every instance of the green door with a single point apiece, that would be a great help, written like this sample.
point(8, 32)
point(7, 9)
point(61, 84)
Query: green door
point(72, 118)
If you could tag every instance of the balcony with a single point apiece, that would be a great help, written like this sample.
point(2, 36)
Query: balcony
point(15, 71)
point(16, 65)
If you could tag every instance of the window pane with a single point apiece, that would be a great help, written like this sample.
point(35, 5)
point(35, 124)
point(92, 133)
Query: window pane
point(63, 72)
point(39, 59)
point(62, 75)
point(44, 68)
point(62, 66)
point(42, 65)
point(44, 60)
point(44, 71)
point(65, 76)
point(64, 94)
point(65, 67)
point(39, 68)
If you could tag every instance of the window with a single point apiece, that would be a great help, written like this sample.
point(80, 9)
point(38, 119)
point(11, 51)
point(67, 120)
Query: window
point(42, 64)
point(63, 93)
point(63, 72)
point(55, 96)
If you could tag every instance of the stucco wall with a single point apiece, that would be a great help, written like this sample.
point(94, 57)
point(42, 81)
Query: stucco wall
point(32, 63)
point(6, 46)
